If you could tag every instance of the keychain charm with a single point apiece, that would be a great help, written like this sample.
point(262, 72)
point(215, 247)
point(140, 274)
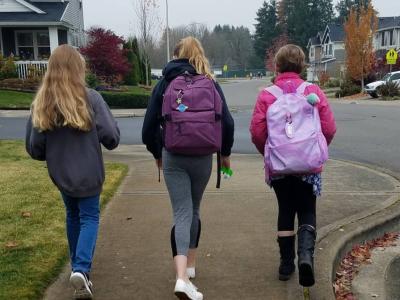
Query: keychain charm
point(289, 126)
point(179, 97)
point(182, 108)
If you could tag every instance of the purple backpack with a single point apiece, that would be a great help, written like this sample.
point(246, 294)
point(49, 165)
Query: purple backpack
point(192, 112)
point(295, 143)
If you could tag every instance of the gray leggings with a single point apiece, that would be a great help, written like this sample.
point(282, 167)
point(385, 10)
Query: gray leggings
point(186, 178)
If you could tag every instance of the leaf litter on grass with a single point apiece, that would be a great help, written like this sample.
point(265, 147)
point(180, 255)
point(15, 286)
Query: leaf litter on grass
point(359, 255)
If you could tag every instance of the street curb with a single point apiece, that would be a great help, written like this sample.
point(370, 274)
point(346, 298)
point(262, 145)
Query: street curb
point(336, 239)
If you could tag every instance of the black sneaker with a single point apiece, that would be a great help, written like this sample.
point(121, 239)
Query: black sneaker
point(82, 285)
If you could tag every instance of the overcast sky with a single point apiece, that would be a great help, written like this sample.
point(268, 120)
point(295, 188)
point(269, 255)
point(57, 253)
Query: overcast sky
point(119, 15)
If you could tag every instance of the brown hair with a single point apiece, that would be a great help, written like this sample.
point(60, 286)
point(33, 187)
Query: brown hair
point(62, 98)
point(192, 49)
point(290, 58)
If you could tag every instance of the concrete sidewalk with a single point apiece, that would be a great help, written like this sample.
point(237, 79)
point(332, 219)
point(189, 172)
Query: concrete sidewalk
point(238, 254)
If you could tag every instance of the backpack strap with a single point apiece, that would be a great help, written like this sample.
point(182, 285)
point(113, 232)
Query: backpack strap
point(275, 91)
point(219, 170)
point(302, 87)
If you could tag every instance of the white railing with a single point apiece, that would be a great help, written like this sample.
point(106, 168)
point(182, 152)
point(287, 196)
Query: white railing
point(27, 69)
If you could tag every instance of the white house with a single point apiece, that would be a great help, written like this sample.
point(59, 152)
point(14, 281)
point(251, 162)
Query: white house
point(388, 34)
point(31, 29)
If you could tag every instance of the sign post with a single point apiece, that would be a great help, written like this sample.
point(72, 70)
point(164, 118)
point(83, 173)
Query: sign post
point(391, 58)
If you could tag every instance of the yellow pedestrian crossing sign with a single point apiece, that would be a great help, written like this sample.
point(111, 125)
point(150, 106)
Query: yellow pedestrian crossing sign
point(225, 68)
point(391, 57)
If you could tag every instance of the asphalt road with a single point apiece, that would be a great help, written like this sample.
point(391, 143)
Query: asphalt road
point(366, 133)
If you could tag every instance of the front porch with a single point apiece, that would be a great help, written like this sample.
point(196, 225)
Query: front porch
point(31, 43)
point(31, 46)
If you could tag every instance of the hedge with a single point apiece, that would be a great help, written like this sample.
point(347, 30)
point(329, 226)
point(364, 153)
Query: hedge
point(126, 99)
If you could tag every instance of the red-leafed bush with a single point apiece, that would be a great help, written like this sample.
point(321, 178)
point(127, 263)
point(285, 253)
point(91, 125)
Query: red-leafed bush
point(323, 78)
point(105, 55)
point(273, 49)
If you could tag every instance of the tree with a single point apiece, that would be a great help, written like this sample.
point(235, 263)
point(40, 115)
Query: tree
point(146, 19)
point(105, 55)
point(271, 51)
point(360, 29)
point(267, 28)
point(344, 7)
point(133, 77)
point(302, 19)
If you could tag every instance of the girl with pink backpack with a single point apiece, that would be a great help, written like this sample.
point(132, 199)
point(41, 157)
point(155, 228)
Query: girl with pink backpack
point(292, 125)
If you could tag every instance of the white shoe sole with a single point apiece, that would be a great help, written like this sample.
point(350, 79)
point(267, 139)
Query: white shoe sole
point(82, 290)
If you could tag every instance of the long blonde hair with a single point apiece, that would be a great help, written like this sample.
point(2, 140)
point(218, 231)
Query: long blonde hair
point(62, 98)
point(191, 49)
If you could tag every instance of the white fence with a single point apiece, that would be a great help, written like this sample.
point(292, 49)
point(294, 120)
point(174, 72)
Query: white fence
point(27, 69)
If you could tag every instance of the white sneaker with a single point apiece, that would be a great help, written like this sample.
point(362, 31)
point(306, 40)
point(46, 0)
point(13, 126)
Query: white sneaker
point(191, 273)
point(187, 291)
point(83, 287)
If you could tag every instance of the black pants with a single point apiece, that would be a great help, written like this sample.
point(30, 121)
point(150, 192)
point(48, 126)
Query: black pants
point(294, 197)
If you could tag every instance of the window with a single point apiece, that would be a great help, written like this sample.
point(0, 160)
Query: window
point(382, 38)
point(330, 49)
point(386, 38)
point(391, 37)
point(312, 51)
point(33, 45)
point(395, 76)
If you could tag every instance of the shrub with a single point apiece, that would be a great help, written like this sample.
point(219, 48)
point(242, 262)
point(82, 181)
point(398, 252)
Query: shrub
point(133, 77)
point(126, 100)
point(348, 89)
point(8, 69)
point(389, 89)
point(323, 78)
point(333, 83)
point(92, 81)
point(105, 56)
point(16, 84)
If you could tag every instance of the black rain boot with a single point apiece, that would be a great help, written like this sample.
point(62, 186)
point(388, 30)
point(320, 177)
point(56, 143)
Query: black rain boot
point(306, 242)
point(286, 249)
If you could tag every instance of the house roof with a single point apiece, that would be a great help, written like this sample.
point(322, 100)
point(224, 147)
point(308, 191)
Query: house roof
point(53, 13)
point(388, 22)
point(336, 32)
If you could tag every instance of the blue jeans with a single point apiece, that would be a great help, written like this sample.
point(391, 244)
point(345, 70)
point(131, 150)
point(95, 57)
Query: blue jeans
point(82, 220)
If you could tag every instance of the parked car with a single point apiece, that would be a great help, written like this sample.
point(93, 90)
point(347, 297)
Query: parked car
point(373, 88)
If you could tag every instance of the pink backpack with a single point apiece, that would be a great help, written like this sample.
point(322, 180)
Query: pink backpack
point(295, 143)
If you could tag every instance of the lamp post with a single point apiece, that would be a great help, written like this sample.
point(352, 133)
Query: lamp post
point(168, 54)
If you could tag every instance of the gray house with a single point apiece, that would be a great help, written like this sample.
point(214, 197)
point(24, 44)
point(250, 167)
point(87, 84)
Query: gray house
point(326, 52)
point(31, 29)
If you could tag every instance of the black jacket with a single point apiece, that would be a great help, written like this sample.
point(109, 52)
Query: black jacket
point(151, 132)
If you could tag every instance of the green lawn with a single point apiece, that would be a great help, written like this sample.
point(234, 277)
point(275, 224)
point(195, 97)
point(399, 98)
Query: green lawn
point(15, 100)
point(33, 246)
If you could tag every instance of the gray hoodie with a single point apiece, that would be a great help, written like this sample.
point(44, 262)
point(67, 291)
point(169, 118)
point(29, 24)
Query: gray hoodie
point(74, 158)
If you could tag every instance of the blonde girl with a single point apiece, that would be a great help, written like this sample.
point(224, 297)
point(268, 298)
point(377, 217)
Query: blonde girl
point(186, 176)
point(67, 125)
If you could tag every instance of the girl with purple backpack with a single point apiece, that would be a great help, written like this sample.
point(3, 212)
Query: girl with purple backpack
point(296, 191)
point(187, 120)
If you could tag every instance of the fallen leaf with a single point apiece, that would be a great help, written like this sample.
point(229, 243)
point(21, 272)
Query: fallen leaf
point(11, 244)
point(26, 214)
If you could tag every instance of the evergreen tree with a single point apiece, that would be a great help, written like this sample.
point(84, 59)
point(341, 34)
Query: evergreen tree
point(302, 19)
point(133, 77)
point(344, 7)
point(267, 28)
